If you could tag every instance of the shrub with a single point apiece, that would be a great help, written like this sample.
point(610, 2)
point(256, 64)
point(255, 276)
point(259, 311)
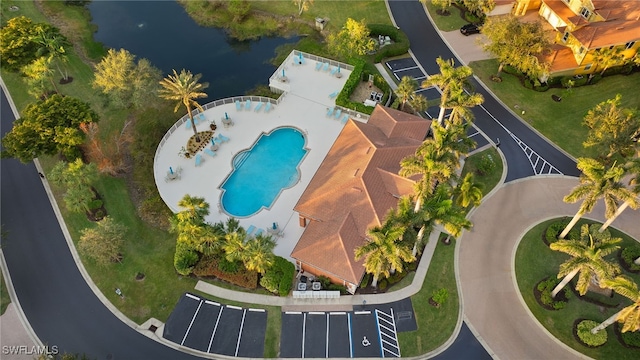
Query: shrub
point(342, 289)
point(95, 204)
point(382, 284)
point(486, 164)
point(584, 333)
point(400, 43)
point(184, 259)
point(279, 278)
point(325, 281)
point(412, 266)
point(630, 338)
point(365, 280)
point(209, 266)
point(440, 296)
point(230, 267)
point(546, 287)
point(554, 230)
point(629, 254)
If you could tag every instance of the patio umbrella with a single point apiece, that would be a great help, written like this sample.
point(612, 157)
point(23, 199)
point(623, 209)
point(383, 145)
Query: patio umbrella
point(301, 57)
point(338, 67)
point(226, 116)
point(171, 170)
point(275, 226)
point(282, 72)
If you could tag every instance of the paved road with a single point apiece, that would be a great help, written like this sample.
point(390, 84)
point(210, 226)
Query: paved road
point(57, 301)
point(427, 45)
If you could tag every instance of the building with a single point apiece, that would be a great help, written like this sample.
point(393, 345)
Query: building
point(585, 27)
point(353, 190)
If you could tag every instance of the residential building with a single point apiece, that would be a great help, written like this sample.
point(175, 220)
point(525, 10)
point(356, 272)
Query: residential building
point(586, 27)
point(353, 190)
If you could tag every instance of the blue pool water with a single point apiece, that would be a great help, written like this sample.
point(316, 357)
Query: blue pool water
point(262, 172)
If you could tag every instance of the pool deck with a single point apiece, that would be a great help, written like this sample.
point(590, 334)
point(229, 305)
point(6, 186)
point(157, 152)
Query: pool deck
point(304, 105)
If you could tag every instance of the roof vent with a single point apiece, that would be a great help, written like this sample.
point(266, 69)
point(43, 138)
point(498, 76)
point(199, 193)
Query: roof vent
point(368, 149)
point(356, 173)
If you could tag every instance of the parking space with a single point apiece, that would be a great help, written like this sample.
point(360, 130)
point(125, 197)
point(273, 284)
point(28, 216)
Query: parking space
point(215, 328)
point(368, 331)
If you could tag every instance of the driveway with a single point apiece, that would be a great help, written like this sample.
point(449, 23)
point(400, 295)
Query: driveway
point(491, 300)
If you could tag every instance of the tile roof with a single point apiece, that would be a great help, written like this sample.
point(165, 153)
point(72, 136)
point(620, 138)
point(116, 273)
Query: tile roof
point(354, 188)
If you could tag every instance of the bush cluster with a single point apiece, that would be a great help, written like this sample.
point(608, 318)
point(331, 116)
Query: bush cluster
point(545, 288)
point(210, 266)
point(555, 229)
point(629, 254)
point(349, 87)
point(400, 43)
point(630, 338)
point(365, 280)
point(184, 259)
point(279, 278)
point(485, 165)
point(584, 333)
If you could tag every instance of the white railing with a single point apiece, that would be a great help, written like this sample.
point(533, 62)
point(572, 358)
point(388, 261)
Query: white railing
point(331, 294)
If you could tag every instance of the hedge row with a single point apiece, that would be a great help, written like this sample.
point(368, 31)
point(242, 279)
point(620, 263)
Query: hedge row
point(279, 278)
point(350, 86)
point(209, 266)
point(399, 46)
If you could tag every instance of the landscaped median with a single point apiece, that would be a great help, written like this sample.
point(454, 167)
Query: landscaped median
point(535, 262)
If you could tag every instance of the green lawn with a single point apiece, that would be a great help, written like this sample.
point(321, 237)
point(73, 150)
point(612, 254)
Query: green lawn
point(534, 262)
point(447, 23)
point(4, 295)
point(490, 180)
point(560, 122)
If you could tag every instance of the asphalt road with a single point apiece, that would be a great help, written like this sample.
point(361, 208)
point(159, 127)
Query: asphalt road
point(427, 45)
point(55, 298)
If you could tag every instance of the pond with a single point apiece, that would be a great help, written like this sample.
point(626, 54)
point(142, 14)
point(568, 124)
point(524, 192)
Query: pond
point(162, 32)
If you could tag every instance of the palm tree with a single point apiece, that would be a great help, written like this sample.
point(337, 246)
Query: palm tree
point(258, 253)
point(235, 245)
point(418, 103)
point(468, 192)
point(596, 182)
point(587, 258)
point(53, 44)
point(184, 88)
point(406, 89)
point(194, 208)
point(460, 102)
point(632, 168)
point(383, 253)
point(448, 78)
point(630, 315)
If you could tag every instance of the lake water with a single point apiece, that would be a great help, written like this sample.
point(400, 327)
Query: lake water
point(162, 32)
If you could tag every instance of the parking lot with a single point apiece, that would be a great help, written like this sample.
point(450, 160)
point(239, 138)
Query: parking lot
point(367, 331)
point(216, 328)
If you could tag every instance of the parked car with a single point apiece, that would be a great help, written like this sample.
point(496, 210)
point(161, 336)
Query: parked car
point(470, 29)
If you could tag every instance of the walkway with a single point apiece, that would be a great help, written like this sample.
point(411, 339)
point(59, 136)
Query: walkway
point(491, 300)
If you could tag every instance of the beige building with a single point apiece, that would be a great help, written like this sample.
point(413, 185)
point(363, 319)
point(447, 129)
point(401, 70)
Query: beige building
point(353, 190)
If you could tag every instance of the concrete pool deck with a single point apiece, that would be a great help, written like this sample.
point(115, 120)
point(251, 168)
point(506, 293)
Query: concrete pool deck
point(303, 105)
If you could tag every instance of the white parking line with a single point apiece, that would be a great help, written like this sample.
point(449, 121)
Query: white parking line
point(326, 351)
point(407, 68)
point(304, 328)
point(191, 323)
point(234, 307)
point(211, 303)
point(293, 312)
point(214, 329)
point(338, 313)
point(257, 310)
point(240, 332)
point(193, 297)
point(366, 312)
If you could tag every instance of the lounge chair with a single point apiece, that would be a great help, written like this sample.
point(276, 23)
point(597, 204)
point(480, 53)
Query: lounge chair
point(202, 118)
point(325, 67)
point(258, 107)
point(333, 94)
point(210, 152)
point(318, 65)
point(247, 105)
point(344, 119)
point(338, 113)
point(259, 232)
point(188, 124)
point(268, 107)
point(238, 105)
point(334, 70)
point(250, 230)
point(198, 159)
point(330, 112)
point(223, 138)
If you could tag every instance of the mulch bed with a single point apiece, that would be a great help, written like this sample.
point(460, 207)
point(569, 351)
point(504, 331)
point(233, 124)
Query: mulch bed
point(194, 146)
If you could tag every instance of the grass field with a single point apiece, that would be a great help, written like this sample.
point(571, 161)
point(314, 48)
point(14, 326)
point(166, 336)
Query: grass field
point(491, 179)
point(453, 21)
point(536, 261)
point(560, 122)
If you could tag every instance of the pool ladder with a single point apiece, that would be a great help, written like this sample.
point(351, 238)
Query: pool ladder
point(241, 158)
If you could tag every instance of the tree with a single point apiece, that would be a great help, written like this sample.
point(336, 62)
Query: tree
point(125, 81)
point(628, 316)
point(239, 9)
point(418, 103)
point(184, 88)
point(53, 44)
point(17, 47)
point(191, 228)
point(607, 57)
point(468, 192)
point(37, 74)
point(460, 101)
point(450, 80)
point(444, 5)
point(48, 127)
point(258, 255)
point(77, 179)
point(596, 181)
point(303, 5)
point(406, 89)
point(352, 40)
point(632, 168)
point(612, 129)
point(480, 8)
point(518, 44)
point(587, 258)
point(104, 242)
point(383, 253)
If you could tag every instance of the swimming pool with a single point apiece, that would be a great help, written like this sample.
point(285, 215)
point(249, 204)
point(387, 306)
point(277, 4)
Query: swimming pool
point(260, 173)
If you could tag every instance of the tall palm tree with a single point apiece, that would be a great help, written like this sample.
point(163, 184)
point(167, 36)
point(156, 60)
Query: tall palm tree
point(53, 44)
point(418, 103)
point(460, 101)
point(235, 245)
point(587, 258)
point(184, 88)
point(448, 79)
point(406, 89)
point(630, 315)
point(632, 168)
point(596, 181)
point(194, 208)
point(383, 253)
point(258, 255)
point(468, 192)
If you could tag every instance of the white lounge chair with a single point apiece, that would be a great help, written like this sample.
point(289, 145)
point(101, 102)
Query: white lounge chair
point(334, 94)
point(198, 159)
point(250, 230)
point(238, 105)
point(247, 105)
point(338, 113)
point(268, 107)
point(210, 152)
point(223, 138)
point(318, 65)
point(329, 112)
point(258, 107)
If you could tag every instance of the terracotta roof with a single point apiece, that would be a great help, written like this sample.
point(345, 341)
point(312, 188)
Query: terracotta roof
point(607, 33)
point(561, 58)
point(354, 188)
point(561, 9)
